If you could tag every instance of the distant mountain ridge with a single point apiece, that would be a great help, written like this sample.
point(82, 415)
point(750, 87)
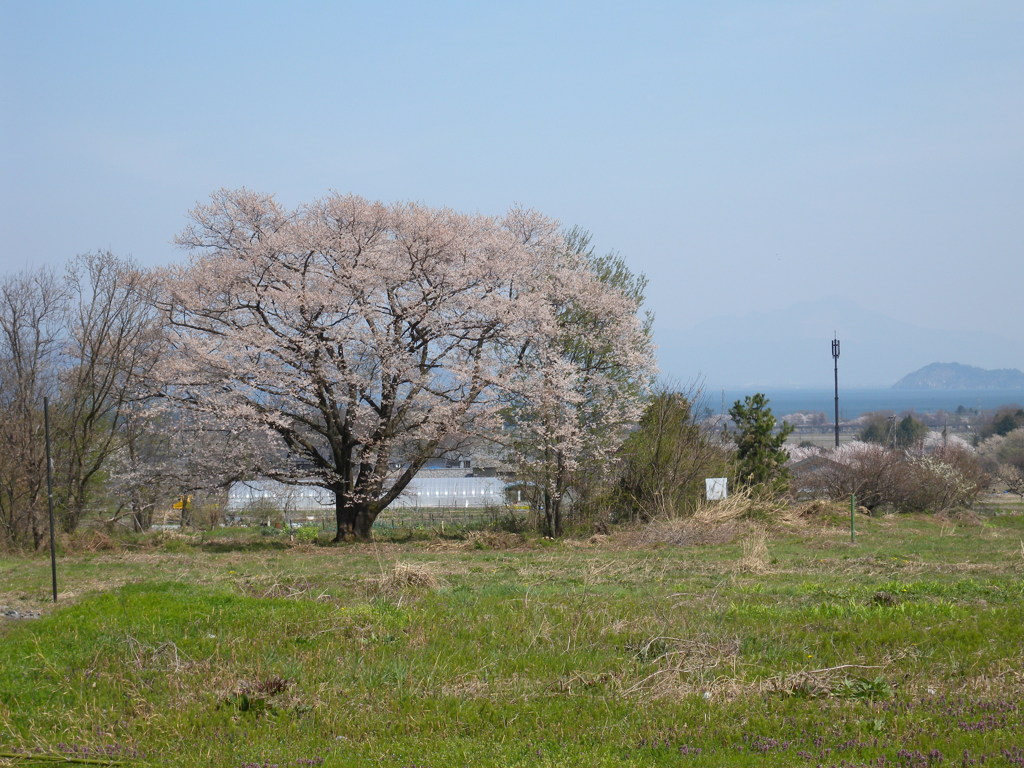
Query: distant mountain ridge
point(959, 376)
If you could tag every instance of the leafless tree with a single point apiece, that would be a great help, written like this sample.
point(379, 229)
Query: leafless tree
point(112, 338)
point(32, 307)
point(81, 338)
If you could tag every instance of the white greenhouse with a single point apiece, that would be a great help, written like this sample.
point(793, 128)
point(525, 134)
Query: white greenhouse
point(422, 492)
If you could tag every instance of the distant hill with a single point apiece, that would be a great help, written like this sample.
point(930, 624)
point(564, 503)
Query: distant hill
point(957, 376)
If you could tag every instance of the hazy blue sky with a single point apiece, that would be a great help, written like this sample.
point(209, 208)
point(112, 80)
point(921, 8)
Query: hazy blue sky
point(747, 156)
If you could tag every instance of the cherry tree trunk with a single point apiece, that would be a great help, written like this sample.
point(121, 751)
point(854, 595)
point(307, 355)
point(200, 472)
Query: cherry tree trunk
point(354, 520)
point(552, 515)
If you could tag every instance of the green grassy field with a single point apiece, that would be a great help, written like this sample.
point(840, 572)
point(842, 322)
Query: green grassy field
point(902, 649)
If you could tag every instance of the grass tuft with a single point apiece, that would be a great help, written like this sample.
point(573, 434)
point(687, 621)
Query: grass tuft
point(405, 579)
point(755, 551)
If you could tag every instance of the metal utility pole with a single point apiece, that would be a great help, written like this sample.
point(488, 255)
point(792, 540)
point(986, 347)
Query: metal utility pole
point(49, 494)
point(835, 359)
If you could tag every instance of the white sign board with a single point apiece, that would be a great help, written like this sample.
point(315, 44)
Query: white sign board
point(716, 488)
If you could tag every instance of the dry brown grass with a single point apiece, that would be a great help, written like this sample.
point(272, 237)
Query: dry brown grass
point(755, 551)
point(591, 542)
point(820, 512)
point(298, 589)
point(744, 503)
point(405, 579)
point(685, 532)
point(90, 541)
point(685, 665)
point(712, 670)
point(493, 540)
point(722, 521)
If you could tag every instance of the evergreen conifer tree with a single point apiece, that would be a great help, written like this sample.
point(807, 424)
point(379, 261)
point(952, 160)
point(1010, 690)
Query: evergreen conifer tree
point(760, 457)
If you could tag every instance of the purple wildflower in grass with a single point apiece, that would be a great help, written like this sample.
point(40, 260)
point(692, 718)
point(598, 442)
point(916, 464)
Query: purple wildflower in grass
point(767, 744)
point(1013, 755)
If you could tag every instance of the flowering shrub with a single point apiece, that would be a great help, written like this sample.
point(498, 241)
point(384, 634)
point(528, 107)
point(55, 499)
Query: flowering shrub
point(936, 485)
point(1003, 457)
point(801, 452)
point(936, 442)
point(948, 477)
